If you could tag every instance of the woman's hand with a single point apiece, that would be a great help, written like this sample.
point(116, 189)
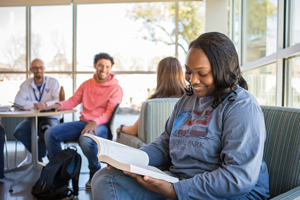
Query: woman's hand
point(55, 106)
point(158, 186)
point(91, 126)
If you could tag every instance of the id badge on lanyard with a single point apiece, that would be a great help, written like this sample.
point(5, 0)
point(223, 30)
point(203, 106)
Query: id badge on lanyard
point(41, 93)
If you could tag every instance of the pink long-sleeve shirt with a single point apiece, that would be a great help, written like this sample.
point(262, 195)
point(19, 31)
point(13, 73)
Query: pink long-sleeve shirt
point(98, 100)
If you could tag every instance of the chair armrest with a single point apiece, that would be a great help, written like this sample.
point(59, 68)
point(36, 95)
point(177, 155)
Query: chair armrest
point(130, 140)
point(291, 194)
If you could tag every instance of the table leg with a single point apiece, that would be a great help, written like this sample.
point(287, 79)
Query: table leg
point(34, 143)
point(23, 175)
point(16, 169)
point(35, 165)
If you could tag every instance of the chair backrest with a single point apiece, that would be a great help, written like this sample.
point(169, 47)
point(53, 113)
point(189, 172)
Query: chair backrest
point(282, 148)
point(62, 94)
point(62, 98)
point(110, 123)
point(153, 116)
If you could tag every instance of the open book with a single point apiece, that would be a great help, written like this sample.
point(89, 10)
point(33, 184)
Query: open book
point(17, 106)
point(127, 159)
point(5, 108)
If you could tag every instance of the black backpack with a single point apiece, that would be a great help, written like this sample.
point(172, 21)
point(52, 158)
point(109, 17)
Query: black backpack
point(54, 180)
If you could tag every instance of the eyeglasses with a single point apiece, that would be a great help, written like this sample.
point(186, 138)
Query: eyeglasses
point(35, 68)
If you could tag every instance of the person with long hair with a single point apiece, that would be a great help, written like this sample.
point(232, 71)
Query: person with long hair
point(170, 84)
point(213, 140)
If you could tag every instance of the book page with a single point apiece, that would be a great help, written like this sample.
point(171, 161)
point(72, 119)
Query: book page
point(5, 108)
point(120, 152)
point(141, 170)
point(153, 172)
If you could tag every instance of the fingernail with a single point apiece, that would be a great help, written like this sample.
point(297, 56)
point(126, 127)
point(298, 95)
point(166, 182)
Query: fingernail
point(146, 178)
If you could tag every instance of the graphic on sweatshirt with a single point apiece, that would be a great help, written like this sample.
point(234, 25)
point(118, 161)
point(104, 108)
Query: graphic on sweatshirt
point(192, 123)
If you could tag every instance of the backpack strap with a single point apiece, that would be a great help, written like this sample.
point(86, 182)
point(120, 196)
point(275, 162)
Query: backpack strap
point(76, 172)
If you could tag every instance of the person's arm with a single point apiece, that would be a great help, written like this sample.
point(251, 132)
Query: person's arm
point(55, 88)
point(130, 130)
point(242, 139)
point(53, 96)
point(158, 151)
point(23, 97)
point(74, 100)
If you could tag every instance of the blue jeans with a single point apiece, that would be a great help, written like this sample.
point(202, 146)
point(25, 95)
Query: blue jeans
point(71, 131)
point(23, 134)
point(2, 139)
point(114, 184)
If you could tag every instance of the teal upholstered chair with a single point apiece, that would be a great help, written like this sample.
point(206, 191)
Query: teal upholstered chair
point(153, 116)
point(282, 151)
point(282, 146)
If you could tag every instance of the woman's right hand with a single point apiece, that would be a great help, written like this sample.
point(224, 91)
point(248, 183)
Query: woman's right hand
point(55, 106)
point(119, 130)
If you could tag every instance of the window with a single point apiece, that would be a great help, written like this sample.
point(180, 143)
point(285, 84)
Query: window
point(293, 84)
point(13, 40)
point(262, 83)
point(119, 30)
point(294, 22)
point(191, 24)
point(236, 31)
point(260, 31)
point(137, 35)
point(51, 36)
point(9, 86)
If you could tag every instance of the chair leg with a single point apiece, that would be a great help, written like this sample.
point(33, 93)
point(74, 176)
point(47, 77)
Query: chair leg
point(7, 164)
point(25, 159)
point(16, 151)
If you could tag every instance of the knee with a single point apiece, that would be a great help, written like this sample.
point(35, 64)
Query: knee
point(96, 179)
point(86, 143)
point(23, 130)
point(18, 133)
point(49, 134)
point(100, 178)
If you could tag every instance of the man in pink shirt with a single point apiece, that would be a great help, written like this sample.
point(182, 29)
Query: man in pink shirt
point(99, 96)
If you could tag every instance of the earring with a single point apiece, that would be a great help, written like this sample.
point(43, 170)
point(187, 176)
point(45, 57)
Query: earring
point(189, 89)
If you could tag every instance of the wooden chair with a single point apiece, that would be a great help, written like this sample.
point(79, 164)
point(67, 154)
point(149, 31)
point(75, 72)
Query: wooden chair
point(62, 98)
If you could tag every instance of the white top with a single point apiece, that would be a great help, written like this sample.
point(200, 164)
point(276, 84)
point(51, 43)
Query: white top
point(29, 93)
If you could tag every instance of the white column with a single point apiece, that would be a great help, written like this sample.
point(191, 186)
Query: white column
point(216, 18)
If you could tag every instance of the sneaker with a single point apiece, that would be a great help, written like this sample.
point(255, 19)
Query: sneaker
point(89, 183)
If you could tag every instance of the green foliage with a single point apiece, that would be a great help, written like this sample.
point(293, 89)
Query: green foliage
point(257, 13)
point(153, 16)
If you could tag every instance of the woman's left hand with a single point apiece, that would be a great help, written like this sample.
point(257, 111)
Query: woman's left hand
point(158, 186)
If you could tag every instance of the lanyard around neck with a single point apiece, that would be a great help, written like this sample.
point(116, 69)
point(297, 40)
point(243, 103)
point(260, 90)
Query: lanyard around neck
point(41, 92)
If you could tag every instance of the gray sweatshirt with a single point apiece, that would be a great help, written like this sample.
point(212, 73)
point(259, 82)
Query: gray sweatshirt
point(217, 153)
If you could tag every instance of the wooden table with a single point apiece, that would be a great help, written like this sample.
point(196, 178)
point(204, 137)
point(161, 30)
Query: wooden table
point(33, 115)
